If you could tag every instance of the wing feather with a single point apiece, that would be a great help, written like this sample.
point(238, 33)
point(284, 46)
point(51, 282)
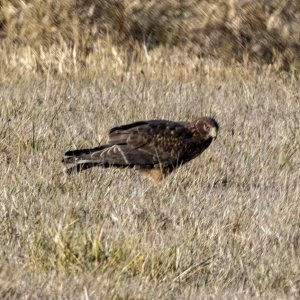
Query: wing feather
point(150, 143)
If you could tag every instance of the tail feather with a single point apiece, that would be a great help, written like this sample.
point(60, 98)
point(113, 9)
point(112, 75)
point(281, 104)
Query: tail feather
point(79, 152)
point(119, 156)
point(74, 156)
point(81, 159)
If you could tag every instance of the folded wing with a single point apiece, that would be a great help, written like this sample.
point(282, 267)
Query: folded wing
point(157, 141)
point(142, 145)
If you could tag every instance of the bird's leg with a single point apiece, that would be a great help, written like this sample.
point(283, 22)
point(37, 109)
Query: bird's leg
point(157, 175)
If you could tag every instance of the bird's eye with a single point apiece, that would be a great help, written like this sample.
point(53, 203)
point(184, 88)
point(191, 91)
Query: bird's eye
point(205, 127)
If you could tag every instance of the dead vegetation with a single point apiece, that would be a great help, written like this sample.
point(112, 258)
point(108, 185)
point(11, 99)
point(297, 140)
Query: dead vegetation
point(68, 35)
point(224, 226)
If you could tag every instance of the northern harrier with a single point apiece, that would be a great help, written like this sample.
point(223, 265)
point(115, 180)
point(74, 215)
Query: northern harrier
point(155, 146)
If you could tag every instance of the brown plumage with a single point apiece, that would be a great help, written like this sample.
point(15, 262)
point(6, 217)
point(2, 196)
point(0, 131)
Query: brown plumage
point(155, 146)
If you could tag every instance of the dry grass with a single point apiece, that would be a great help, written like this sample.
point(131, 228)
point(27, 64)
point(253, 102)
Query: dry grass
point(66, 35)
point(225, 225)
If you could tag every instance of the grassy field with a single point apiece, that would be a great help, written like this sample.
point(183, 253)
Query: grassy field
point(226, 225)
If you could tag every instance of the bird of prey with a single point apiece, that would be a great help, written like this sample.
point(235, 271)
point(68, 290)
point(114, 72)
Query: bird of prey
point(156, 146)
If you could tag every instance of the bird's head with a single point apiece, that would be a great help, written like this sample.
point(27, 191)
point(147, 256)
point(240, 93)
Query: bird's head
point(207, 128)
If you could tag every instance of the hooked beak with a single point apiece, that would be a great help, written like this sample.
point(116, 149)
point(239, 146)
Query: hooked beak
point(213, 132)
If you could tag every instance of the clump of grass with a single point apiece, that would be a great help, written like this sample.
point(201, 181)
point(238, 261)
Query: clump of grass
point(65, 37)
